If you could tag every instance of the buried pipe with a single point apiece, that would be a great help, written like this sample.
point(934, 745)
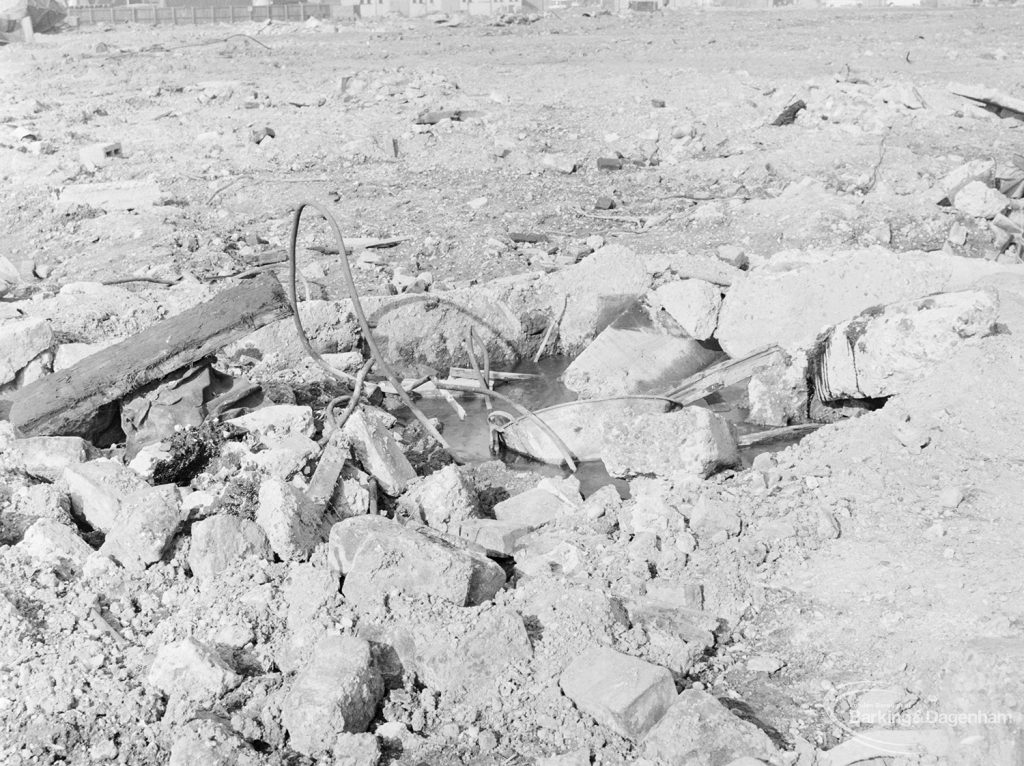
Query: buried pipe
point(357, 308)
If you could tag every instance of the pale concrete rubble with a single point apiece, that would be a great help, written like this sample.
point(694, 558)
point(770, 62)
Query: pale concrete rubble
point(145, 525)
point(204, 743)
point(714, 518)
point(289, 454)
point(192, 672)
point(980, 200)
point(21, 341)
point(594, 292)
point(97, 488)
point(956, 179)
point(45, 457)
point(310, 592)
point(378, 451)
point(698, 729)
point(543, 552)
point(377, 556)
point(534, 508)
point(679, 636)
point(882, 351)
point(580, 757)
point(626, 694)
point(276, 421)
point(692, 441)
point(219, 541)
point(777, 393)
point(50, 541)
point(473, 663)
point(41, 501)
point(442, 500)
point(292, 524)
point(627, 362)
point(693, 304)
point(797, 295)
point(337, 691)
point(496, 537)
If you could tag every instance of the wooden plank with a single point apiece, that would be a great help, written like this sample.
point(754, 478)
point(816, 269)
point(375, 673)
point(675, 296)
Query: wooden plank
point(65, 402)
point(466, 372)
point(721, 375)
point(774, 434)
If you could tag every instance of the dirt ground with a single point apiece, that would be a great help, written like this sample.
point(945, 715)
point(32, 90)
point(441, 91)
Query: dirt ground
point(865, 562)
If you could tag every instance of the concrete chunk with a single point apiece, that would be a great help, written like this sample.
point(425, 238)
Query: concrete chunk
point(884, 349)
point(275, 422)
point(690, 442)
point(337, 691)
point(441, 500)
point(621, 692)
point(45, 457)
point(495, 536)
point(377, 556)
point(693, 303)
point(145, 525)
point(379, 452)
point(698, 730)
point(50, 541)
point(191, 671)
point(21, 341)
point(533, 508)
point(98, 487)
point(219, 541)
point(292, 524)
point(625, 362)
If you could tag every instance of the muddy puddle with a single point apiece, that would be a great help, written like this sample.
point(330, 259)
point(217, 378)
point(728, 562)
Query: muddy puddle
point(471, 436)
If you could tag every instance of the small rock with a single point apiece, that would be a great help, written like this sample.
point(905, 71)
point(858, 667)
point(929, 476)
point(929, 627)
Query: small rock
point(378, 451)
point(21, 341)
point(711, 516)
point(292, 524)
point(733, 255)
point(980, 200)
point(765, 663)
point(377, 555)
point(97, 488)
point(692, 442)
point(52, 542)
point(496, 537)
point(338, 691)
point(191, 671)
point(45, 457)
point(562, 163)
point(145, 525)
point(951, 497)
point(533, 508)
point(621, 692)
point(699, 731)
point(273, 422)
point(694, 304)
point(441, 500)
point(220, 541)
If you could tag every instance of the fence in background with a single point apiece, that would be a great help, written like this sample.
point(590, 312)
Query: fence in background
point(144, 14)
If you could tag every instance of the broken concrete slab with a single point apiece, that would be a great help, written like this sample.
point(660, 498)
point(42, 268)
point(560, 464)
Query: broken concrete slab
point(626, 694)
point(293, 525)
point(189, 671)
point(275, 422)
point(698, 729)
point(640, 361)
point(378, 451)
point(45, 457)
point(97, 489)
point(881, 351)
point(777, 393)
point(145, 525)
point(442, 500)
point(377, 555)
point(952, 182)
point(593, 292)
point(55, 543)
point(980, 200)
point(692, 441)
point(534, 508)
point(496, 537)
point(337, 691)
point(21, 341)
point(790, 301)
point(693, 303)
point(219, 541)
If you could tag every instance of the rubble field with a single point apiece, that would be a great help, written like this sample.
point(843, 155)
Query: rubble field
point(758, 277)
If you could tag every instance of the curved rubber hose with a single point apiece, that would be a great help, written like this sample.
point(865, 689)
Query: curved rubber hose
point(357, 308)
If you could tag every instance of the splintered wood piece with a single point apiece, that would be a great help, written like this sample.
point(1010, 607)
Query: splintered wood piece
point(721, 375)
point(66, 402)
